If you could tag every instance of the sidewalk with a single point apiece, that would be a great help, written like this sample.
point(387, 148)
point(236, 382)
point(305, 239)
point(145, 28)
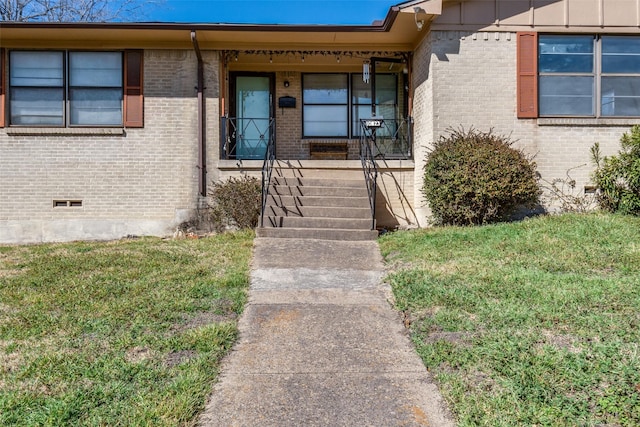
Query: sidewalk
point(320, 345)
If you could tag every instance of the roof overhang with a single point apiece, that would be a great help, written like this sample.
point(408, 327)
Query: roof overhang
point(398, 32)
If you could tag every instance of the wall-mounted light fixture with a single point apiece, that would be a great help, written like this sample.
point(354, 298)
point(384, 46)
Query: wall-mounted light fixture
point(419, 20)
point(286, 83)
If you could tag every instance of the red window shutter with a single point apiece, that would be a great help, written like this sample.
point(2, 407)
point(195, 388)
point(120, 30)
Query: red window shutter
point(2, 88)
point(527, 75)
point(133, 93)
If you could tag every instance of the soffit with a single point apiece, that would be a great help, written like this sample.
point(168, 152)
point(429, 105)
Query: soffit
point(397, 32)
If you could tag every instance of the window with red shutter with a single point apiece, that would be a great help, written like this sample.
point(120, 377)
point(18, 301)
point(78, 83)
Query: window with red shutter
point(527, 98)
point(2, 88)
point(133, 89)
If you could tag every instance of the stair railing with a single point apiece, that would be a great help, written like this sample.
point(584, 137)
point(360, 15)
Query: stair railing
point(369, 166)
point(267, 168)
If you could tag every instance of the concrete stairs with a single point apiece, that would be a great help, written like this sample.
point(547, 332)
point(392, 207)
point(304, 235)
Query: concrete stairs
point(315, 203)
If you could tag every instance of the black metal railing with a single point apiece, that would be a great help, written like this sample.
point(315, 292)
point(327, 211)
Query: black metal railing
point(368, 130)
point(267, 168)
point(246, 138)
point(393, 140)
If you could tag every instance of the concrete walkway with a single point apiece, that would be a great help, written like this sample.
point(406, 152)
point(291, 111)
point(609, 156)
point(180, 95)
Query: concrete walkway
point(320, 345)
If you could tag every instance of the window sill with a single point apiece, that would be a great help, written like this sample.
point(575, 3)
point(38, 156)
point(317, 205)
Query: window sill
point(574, 121)
point(45, 131)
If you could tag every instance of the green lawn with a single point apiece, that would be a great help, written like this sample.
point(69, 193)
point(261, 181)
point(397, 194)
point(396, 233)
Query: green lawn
point(118, 333)
point(529, 323)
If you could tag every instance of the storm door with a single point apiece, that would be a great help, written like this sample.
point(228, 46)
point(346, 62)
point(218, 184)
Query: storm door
point(252, 104)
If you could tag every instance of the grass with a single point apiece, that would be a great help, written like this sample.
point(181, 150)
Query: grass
point(128, 332)
point(529, 323)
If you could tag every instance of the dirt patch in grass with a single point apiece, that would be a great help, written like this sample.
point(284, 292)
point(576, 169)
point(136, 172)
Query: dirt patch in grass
point(177, 357)
point(203, 319)
point(561, 341)
point(481, 381)
point(138, 355)
point(458, 338)
point(10, 361)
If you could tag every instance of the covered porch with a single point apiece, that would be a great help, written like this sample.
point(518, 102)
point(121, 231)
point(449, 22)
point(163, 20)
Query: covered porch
point(331, 129)
point(315, 105)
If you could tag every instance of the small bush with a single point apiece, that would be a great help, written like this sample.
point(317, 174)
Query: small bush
point(474, 177)
point(564, 194)
point(235, 203)
point(618, 177)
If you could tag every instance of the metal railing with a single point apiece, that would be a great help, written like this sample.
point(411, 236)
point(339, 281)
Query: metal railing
point(267, 168)
point(392, 140)
point(368, 130)
point(246, 138)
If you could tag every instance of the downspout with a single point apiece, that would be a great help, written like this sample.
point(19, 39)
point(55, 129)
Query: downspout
point(202, 143)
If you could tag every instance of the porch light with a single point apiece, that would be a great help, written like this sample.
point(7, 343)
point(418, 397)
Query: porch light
point(338, 58)
point(419, 22)
point(303, 57)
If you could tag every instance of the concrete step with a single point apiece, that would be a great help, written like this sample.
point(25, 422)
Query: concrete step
point(319, 201)
point(323, 203)
point(313, 233)
point(318, 182)
point(317, 173)
point(306, 190)
point(318, 211)
point(317, 222)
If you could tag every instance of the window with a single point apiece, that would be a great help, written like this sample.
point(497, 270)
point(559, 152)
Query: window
point(386, 100)
point(58, 88)
point(95, 88)
point(37, 88)
point(333, 104)
point(620, 81)
point(326, 105)
point(578, 76)
point(567, 75)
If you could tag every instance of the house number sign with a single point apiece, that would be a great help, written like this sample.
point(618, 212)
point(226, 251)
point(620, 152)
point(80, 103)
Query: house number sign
point(373, 123)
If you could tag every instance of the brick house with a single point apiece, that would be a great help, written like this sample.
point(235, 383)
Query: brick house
point(108, 130)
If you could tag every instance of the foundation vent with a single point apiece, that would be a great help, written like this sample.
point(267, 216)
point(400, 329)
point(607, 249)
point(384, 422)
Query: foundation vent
point(67, 203)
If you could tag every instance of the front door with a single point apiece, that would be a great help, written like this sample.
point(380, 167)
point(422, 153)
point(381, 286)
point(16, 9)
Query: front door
point(251, 102)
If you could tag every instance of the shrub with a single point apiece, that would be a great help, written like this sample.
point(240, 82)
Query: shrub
point(235, 203)
point(565, 194)
point(474, 177)
point(618, 177)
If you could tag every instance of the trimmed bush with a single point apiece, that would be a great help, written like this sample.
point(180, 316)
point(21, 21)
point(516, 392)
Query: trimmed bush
point(473, 177)
point(618, 177)
point(235, 203)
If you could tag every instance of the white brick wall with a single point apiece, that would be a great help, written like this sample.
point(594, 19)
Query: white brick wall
point(469, 79)
point(146, 180)
point(142, 182)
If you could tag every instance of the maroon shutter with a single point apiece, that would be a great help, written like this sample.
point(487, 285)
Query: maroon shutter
point(133, 94)
point(527, 75)
point(2, 88)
